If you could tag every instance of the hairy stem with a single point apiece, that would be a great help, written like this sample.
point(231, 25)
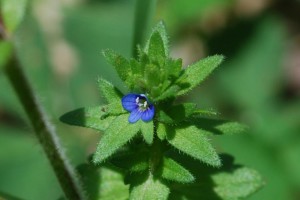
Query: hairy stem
point(156, 151)
point(144, 11)
point(44, 131)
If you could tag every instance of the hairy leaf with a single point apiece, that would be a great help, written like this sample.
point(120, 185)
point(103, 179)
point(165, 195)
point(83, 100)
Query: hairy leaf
point(229, 182)
point(92, 117)
point(176, 113)
point(218, 127)
point(149, 189)
point(173, 171)
point(193, 75)
point(239, 184)
point(168, 93)
point(147, 131)
point(156, 49)
point(109, 91)
point(132, 161)
point(120, 63)
point(161, 131)
point(194, 142)
point(116, 135)
point(161, 29)
point(105, 183)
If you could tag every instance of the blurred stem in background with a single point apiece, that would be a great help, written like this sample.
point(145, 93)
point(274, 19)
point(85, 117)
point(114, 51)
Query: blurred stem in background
point(144, 12)
point(44, 130)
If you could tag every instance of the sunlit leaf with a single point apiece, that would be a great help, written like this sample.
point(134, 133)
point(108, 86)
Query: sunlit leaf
point(147, 131)
point(116, 135)
point(196, 73)
point(120, 63)
point(149, 189)
point(109, 91)
point(194, 142)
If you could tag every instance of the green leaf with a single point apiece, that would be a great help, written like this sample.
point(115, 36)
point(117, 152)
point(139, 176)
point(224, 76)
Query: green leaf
point(92, 117)
point(13, 12)
point(109, 91)
point(194, 142)
point(193, 75)
point(5, 53)
point(116, 135)
point(218, 127)
point(161, 29)
point(173, 67)
point(132, 161)
point(177, 113)
point(149, 189)
point(229, 182)
point(151, 75)
point(120, 63)
point(103, 183)
point(237, 185)
point(147, 131)
point(161, 131)
point(156, 51)
point(168, 93)
point(173, 171)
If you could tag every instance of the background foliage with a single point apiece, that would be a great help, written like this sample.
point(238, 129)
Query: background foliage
point(258, 84)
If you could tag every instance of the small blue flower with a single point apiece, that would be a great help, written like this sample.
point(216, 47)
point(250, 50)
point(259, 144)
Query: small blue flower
point(139, 107)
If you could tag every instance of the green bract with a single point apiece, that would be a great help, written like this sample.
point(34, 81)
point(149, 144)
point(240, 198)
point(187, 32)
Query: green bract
point(144, 151)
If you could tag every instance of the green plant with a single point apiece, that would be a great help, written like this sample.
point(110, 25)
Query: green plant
point(153, 146)
point(149, 138)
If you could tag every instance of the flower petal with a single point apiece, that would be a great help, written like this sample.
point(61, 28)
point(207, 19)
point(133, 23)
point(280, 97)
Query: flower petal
point(129, 103)
point(135, 115)
point(148, 114)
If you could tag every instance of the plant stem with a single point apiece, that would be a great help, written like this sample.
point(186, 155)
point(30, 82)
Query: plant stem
point(44, 131)
point(144, 11)
point(156, 151)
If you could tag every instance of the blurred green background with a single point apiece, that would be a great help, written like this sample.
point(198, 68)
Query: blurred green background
point(59, 45)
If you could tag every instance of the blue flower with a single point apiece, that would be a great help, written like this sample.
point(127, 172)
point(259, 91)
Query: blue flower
point(139, 107)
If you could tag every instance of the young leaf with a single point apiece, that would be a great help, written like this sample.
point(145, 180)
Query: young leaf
point(196, 73)
point(173, 171)
point(120, 63)
point(92, 117)
point(173, 67)
point(161, 29)
point(168, 93)
point(13, 12)
point(109, 91)
point(149, 189)
point(237, 185)
point(156, 49)
point(193, 142)
point(147, 131)
point(116, 135)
